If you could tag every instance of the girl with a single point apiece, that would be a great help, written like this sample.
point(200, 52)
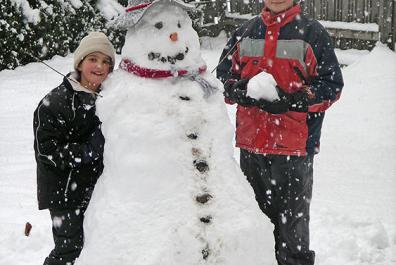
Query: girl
point(68, 145)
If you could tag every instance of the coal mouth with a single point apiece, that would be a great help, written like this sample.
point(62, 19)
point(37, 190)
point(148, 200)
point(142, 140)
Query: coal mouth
point(156, 56)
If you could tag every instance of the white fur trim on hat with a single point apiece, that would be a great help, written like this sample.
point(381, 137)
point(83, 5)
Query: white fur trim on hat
point(93, 42)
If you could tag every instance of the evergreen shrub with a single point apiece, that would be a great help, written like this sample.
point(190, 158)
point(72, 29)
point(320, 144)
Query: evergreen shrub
point(47, 28)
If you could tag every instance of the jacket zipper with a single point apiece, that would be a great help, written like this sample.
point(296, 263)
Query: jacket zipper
point(67, 184)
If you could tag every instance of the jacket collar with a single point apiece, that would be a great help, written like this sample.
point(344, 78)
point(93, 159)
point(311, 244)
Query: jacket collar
point(280, 19)
point(72, 79)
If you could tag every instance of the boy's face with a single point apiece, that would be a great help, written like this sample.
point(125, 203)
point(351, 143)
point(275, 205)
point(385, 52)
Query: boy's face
point(94, 69)
point(278, 6)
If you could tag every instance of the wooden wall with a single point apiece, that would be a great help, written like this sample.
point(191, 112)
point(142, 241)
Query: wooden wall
point(381, 12)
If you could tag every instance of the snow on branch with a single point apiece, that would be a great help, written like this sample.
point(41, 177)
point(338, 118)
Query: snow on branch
point(31, 15)
point(110, 8)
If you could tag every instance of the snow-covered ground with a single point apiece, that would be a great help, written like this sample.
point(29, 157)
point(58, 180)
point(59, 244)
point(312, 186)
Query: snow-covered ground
point(354, 203)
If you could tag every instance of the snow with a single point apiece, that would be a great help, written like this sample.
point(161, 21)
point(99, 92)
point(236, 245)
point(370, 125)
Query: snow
point(370, 27)
point(347, 57)
point(354, 201)
point(237, 15)
point(262, 86)
point(110, 8)
point(76, 3)
point(32, 15)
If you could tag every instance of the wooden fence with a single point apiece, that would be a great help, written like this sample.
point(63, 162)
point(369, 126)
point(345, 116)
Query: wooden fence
point(367, 21)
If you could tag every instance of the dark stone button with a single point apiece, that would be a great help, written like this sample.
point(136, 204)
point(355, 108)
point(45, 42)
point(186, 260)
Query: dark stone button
point(204, 198)
point(185, 98)
point(192, 136)
point(205, 252)
point(206, 219)
point(201, 166)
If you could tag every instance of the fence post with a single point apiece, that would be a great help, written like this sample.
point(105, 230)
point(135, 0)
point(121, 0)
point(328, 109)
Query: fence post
point(244, 7)
point(305, 7)
point(257, 6)
point(345, 11)
point(385, 21)
point(374, 13)
point(331, 10)
point(394, 26)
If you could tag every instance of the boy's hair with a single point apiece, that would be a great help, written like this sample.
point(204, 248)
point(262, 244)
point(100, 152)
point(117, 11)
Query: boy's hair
point(94, 42)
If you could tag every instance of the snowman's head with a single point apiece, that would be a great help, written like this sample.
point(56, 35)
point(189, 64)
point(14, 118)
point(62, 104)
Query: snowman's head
point(163, 38)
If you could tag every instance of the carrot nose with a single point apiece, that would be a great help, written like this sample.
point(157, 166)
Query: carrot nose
point(173, 36)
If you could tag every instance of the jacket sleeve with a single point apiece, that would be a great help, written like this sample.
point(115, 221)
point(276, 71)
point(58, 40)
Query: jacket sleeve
point(326, 77)
point(224, 69)
point(228, 68)
point(51, 140)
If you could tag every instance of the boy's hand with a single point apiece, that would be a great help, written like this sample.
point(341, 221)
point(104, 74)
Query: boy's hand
point(297, 101)
point(235, 91)
point(278, 106)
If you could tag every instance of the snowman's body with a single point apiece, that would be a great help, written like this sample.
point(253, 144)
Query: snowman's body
point(171, 192)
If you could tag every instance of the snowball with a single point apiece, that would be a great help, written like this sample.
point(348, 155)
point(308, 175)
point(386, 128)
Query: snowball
point(262, 86)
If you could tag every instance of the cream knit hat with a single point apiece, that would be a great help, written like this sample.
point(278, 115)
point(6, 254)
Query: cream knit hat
point(94, 42)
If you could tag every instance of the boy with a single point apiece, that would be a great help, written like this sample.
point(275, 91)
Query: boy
point(68, 145)
point(279, 139)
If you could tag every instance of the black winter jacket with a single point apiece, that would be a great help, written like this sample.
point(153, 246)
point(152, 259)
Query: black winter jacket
point(68, 146)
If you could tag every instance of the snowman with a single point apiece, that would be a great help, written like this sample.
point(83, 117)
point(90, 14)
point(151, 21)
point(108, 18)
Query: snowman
point(171, 192)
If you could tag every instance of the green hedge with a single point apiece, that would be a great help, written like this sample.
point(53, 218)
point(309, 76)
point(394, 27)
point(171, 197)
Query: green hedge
point(44, 28)
point(54, 28)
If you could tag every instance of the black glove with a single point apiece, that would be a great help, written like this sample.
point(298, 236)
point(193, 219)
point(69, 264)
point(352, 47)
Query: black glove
point(278, 106)
point(236, 92)
point(297, 101)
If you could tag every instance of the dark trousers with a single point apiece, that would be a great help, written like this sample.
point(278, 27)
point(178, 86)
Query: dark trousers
point(283, 189)
point(68, 233)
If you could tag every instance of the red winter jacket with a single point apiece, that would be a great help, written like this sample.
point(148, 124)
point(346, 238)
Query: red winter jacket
point(281, 44)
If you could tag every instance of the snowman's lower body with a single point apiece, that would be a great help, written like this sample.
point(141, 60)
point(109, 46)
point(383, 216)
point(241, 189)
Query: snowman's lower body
point(171, 192)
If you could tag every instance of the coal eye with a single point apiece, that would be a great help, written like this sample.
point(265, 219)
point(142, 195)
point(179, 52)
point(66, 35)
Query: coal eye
point(178, 24)
point(158, 25)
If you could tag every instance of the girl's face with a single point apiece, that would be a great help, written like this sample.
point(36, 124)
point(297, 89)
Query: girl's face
point(94, 69)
